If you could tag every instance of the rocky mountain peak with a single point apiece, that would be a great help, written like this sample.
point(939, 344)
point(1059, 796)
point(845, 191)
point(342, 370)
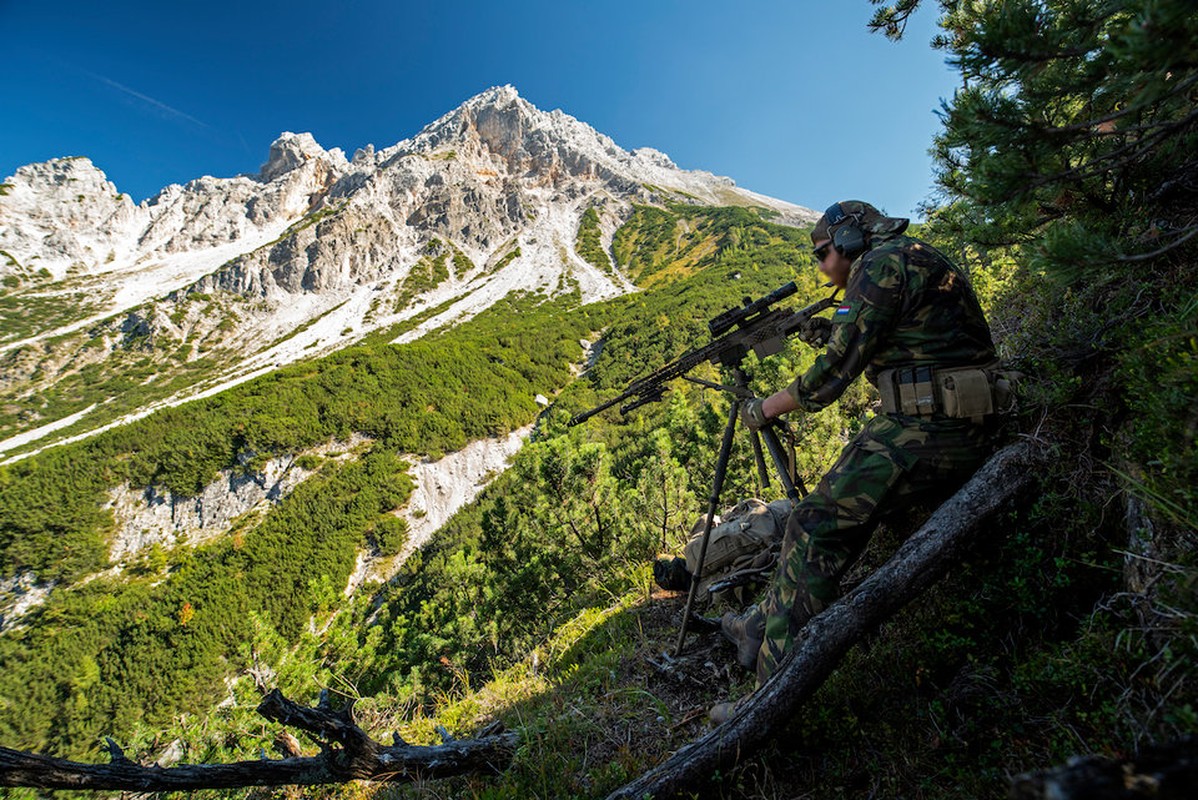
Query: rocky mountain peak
point(292, 150)
point(73, 173)
point(70, 184)
point(63, 211)
point(654, 158)
point(499, 125)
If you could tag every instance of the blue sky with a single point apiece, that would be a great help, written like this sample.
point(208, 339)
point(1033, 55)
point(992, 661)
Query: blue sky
point(791, 98)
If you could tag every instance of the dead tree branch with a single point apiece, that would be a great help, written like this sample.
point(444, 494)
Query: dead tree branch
point(821, 646)
point(358, 757)
point(1158, 771)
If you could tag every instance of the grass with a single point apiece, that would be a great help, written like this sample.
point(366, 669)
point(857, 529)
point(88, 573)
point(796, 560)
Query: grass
point(114, 391)
point(462, 265)
point(591, 710)
point(938, 703)
point(135, 371)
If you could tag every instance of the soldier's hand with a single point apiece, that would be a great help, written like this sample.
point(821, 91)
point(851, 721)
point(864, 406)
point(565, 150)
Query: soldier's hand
point(752, 413)
point(815, 331)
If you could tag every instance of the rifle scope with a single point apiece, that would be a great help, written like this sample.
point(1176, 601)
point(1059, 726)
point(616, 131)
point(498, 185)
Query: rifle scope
point(738, 316)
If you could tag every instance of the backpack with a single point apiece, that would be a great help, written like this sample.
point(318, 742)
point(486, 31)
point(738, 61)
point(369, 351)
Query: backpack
point(742, 549)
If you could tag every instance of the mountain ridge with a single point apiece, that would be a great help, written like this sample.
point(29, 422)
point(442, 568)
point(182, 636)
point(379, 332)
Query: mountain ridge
point(315, 250)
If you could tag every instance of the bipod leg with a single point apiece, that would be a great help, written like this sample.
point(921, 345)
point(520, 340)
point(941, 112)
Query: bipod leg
point(763, 474)
point(795, 489)
point(713, 503)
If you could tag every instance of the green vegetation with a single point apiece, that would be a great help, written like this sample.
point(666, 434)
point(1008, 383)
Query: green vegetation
point(387, 335)
point(426, 274)
point(24, 314)
point(661, 245)
point(6, 189)
point(136, 369)
point(461, 263)
point(124, 383)
point(1059, 162)
point(588, 242)
point(434, 395)
point(301, 328)
point(121, 383)
point(671, 195)
point(508, 258)
point(645, 241)
point(1104, 232)
point(117, 652)
point(413, 397)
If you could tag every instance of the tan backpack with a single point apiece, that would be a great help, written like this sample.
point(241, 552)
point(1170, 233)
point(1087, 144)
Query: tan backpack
point(744, 543)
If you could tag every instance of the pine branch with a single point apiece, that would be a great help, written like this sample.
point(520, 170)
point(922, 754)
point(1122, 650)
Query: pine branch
point(1189, 233)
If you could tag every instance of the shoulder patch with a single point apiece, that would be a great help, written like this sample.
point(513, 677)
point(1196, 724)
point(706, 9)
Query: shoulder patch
point(847, 311)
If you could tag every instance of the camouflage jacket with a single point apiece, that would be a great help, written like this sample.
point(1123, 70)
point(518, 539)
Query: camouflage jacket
point(905, 304)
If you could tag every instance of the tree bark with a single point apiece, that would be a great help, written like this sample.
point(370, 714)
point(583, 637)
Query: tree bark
point(358, 758)
point(1168, 770)
point(820, 647)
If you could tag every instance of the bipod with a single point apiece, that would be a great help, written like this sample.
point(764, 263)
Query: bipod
point(794, 487)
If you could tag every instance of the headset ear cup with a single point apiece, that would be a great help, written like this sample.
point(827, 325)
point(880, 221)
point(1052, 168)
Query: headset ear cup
point(849, 240)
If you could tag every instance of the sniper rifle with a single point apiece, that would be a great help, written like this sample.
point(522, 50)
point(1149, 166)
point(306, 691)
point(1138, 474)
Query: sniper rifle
point(754, 326)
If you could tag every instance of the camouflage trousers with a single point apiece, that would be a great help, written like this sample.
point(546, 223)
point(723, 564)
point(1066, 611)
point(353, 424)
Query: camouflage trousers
point(893, 464)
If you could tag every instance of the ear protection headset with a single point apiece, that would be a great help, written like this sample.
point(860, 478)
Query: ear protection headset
point(849, 238)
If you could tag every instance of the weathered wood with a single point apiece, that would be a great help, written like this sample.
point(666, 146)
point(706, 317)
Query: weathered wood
point(822, 645)
point(358, 758)
point(1158, 771)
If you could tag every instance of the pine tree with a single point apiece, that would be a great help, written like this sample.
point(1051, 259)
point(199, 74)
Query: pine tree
point(1076, 126)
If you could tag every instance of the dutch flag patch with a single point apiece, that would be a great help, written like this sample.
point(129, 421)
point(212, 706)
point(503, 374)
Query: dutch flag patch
point(846, 311)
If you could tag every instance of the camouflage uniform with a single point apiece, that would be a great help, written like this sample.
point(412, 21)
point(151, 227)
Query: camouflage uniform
point(905, 305)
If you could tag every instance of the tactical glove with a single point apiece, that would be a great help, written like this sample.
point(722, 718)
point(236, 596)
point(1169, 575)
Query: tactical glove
point(752, 413)
point(815, 331)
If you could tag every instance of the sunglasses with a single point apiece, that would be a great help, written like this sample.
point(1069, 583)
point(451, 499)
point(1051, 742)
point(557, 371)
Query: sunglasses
point(821, 252)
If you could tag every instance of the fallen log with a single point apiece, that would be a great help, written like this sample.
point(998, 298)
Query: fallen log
point(1158, 771)
point(922, 560)
point(358, 757)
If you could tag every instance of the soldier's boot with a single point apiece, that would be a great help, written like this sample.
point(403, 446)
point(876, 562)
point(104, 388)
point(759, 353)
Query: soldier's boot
point(746, 631)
